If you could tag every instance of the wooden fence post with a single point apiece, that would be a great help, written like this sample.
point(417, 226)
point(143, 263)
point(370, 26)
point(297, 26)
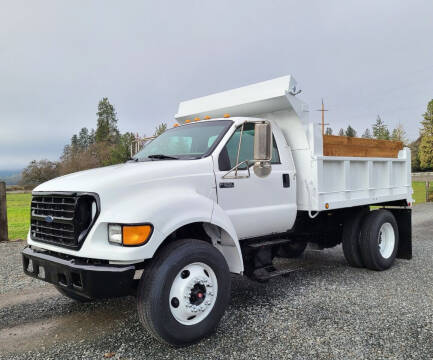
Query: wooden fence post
point(427, 191)
point(3, 213)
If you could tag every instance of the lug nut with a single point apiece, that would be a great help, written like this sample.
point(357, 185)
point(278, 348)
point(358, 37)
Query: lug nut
point(175, 302)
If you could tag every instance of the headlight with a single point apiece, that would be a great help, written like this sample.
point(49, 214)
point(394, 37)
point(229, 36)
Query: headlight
point(129, 235)
point(115, 233)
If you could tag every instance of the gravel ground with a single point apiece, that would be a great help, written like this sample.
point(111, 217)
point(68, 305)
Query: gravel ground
point(325, 311)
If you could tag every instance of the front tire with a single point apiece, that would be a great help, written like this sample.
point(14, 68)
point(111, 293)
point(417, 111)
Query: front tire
point(379, 240)
point(184, 293)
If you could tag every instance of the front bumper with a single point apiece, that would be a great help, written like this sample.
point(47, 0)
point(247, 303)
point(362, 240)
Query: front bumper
point(89, 280)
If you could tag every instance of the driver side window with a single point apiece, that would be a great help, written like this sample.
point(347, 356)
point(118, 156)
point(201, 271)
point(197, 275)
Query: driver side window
point(228, 155)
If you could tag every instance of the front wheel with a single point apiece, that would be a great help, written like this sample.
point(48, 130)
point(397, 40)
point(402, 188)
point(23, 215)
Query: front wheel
point(184, 293)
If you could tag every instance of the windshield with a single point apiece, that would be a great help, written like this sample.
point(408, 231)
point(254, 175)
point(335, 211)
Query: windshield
point(191, 141)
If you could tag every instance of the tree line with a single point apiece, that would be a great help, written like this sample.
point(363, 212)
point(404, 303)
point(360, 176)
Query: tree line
point(379, 131)
point(87, 149)
point(421, 148)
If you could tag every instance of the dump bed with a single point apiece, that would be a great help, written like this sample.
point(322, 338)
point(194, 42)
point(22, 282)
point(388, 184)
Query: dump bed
point(323, 182)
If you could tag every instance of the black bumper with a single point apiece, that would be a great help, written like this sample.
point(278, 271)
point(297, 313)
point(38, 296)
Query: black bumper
point(91, 281)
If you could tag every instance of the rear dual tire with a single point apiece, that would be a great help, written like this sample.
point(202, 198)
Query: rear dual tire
point(370, 239)
point(352, 237)
point(379, 239)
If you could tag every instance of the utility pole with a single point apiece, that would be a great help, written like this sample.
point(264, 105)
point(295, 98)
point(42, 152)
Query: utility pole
point(3, 213)
point(322, 110)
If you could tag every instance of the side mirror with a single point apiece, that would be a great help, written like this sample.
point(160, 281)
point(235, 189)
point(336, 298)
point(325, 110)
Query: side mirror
point(262, 149)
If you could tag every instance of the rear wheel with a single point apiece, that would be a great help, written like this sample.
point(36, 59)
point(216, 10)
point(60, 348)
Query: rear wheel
point(351, 237)
point(379, 240)
point(184, 293)
point(72, 295)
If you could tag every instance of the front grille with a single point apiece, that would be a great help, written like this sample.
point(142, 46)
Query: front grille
point(62, 220)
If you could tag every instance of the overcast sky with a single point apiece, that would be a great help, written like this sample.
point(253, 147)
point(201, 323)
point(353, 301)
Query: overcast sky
point(58, 59)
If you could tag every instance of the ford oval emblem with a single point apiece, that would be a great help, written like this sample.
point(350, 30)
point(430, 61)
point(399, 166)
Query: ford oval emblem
point(49, 219)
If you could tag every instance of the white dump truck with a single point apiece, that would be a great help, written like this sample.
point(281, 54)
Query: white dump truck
point(244, 177)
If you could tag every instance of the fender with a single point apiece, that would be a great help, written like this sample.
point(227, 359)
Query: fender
point(228, 240)
point(193, 208)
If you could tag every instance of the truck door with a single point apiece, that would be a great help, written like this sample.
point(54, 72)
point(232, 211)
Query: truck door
point(256, 206)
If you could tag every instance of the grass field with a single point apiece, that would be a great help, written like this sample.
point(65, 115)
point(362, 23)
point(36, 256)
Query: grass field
point(19, 210)
point(419, 192)
point(18, 215)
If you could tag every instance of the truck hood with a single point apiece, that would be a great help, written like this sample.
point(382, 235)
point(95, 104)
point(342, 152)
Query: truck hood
point(127, 175)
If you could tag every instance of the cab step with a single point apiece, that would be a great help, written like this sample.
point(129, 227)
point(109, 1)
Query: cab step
point(266, 273)
point(272, 242)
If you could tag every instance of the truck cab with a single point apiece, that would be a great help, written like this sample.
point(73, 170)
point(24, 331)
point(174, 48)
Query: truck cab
point(242, 178)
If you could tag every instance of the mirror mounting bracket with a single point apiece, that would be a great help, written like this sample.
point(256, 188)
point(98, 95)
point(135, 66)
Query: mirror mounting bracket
point(235, 169)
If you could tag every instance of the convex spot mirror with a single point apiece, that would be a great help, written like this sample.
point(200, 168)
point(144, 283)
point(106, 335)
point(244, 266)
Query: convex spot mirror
point(262, 149)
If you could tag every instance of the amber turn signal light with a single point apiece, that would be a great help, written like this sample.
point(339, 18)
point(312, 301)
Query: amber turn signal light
point(136, 235)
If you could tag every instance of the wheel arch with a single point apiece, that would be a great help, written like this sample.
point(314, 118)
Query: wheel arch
point(221, 238)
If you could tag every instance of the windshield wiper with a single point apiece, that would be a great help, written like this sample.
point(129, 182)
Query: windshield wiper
point(162, 156)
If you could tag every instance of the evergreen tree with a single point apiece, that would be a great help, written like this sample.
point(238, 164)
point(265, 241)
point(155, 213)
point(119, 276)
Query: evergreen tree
point(414, 151)
point(367, 134)
point(66, 152)
point(161, 128)
point(122, 151)
point(426, 144)
point(341, 132)
point(380, 130)
point(74, 142)
point(92, 137)
point(398, 134)
point(350, 132)
point(106, 129)
point(83, 139)
point(328, 131)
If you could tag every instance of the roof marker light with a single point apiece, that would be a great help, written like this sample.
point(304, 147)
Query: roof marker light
point(207, 117)
point(187, 121)
point(197, 119)
point(226, 115)
point(176, 125)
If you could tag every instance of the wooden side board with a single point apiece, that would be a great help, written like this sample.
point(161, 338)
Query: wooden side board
point(360, 147)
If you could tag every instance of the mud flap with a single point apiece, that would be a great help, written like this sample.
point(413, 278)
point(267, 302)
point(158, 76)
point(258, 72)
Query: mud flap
point(404, 221)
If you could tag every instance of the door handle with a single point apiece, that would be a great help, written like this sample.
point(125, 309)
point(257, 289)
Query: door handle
point(226, 185)
point(286, 180)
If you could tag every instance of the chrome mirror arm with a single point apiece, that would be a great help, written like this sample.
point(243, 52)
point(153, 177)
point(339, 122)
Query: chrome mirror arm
point(235, 169)
point(239, 151)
